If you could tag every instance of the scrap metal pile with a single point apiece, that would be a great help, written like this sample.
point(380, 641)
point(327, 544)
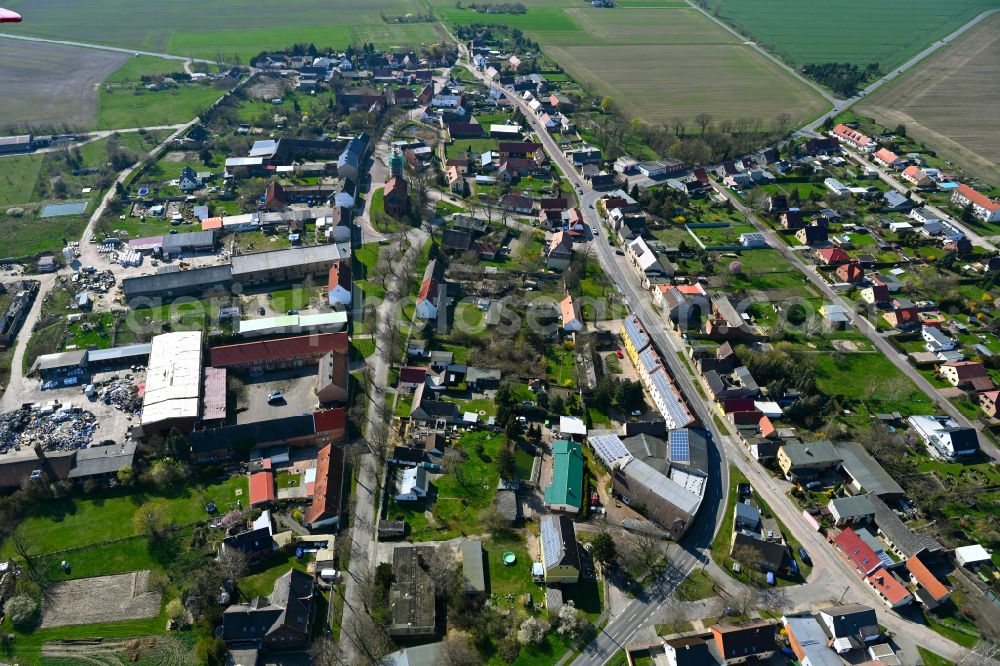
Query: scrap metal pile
point(122, 394)
point(52, 427)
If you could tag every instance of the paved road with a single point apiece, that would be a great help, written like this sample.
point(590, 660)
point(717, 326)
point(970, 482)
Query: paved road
point(860, 322)
point(888, 177)
point(840, 105)
point(103, 47)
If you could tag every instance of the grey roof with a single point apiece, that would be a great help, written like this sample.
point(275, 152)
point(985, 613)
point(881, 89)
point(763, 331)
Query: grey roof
point(651, 450)
point(657, 483)
point(178, 242)
point(895, 530)
point(279, 259)
point(429, 654)
point(98, 460)
point(114, 353)
point(852, 506)
point(812, 640)
point(204, 278)
point(866, 471)
point(412, 592)
point(748, 513)
point(813, 453)
point(473, 569)
point(60, 360)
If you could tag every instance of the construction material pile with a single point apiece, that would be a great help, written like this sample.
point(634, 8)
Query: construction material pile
point(52, 426)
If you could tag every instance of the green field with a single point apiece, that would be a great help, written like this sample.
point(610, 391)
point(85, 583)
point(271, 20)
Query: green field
point(243, 27)
point(855, 31)
point(137, 107)
point(657, 59)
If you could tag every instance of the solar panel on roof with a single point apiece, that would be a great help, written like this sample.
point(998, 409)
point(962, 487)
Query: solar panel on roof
point(679, 448)
point(609, 447)
point(551, 541)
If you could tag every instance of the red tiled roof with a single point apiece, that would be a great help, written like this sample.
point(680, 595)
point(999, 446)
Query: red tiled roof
point(832, 255)
point(211, 223)
point(914, 172)
point(282, 349)
point(891, 587)
point(851, 135)
point(926, 579)
point(330, 420)
point(978, 198)
point(327, 487)
point(427, 289)
point(569, 312)
point(340, 274)
point(857, 551)
point(261, 487)
point(886, 155)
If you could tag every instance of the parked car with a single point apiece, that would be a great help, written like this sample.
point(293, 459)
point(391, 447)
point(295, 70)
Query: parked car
point(804, 555)
point(618, 353)
point(261, 311)
point(50, 385)
point(275, 396)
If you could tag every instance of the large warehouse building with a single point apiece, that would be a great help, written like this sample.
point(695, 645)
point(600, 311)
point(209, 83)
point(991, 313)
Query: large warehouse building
point(172, 395)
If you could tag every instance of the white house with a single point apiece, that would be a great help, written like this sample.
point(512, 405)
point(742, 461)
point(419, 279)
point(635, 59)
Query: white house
point(983, 207)
point(935, 340)
point(413, 484)
point(943, 436)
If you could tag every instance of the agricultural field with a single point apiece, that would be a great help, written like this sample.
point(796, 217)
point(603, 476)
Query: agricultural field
point(923, 101)
point(228, 27)
point(611, 50)
point(887, 32)
point(50, 85)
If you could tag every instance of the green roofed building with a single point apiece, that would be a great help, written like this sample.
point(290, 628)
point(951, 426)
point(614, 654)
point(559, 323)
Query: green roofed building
point(565, 493)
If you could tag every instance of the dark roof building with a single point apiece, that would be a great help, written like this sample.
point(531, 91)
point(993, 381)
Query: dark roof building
point(281, 620)
point(743, 641)
point(411, 597)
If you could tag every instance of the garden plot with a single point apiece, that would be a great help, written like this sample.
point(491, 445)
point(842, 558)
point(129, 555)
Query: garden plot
point(103, 599)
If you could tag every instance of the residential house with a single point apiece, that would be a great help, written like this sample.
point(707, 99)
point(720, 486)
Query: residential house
point(894, 201)
point(856, 552)
point(792, 219)
point(809, 642)
point(770, 553)
point(983, 207)
point(412, 484)
point(687, 650)
point(188, 181)
point(651, 267)
point(917, 176)
point(851, 509)
point(854, 138)
point(988, 401)
point(886, 158)
point(812, 235)
point(851, 272)
point(751, 641)
point(875, 294)
point(935, 339)
point(724, 321)
point(805, 461)
point(967, 374)
point(518, 203)
point(560, 557)
point(324, 510)
point(831, 256)
point(339, 289)
point(433, 293)
point(559, 252)
point(931, 592)
point(856, 624)
point(410, 377)
point(395, 197)
point(427, 409)
point(902, 313)
point(283, 619)
point(572, 321)
point(944, 437)
point(865, 474)
point(565, 492)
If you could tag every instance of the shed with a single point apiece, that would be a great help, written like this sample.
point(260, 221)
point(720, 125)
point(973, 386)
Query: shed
point(473, 567)
point(971, 555)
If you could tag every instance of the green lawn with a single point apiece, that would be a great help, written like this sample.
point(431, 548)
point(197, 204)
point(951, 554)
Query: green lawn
point(133, 69)
point(932, 659)
point(560, 365)
point(123, 107)
point(260, 579)
point(722, 541)
point(460, 497)
point(108, 514)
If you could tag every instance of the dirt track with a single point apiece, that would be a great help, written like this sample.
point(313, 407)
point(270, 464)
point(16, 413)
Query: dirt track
point(950, 102)
point(51, 85)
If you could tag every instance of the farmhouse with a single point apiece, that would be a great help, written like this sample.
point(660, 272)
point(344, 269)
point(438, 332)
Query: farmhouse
point(560, 557)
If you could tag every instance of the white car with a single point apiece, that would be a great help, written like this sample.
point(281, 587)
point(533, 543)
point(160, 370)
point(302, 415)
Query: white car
point(275, 396)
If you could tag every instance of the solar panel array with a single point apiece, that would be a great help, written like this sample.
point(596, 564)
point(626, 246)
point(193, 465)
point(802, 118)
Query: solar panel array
point(649, 360)
point(675, 413)
point(679, 449)
point(551, 541)
point(635, 332)
point(609, 447)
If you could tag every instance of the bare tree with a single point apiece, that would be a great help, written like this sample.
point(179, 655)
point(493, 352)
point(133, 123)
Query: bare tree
point(773, 600)
point(672, 615)
point(678, 125)
point(443, 571)
point(233, 563)
point(984, 653)
point(703, 120)
point(747, 556)
point(745, 601)
point(459, 650)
